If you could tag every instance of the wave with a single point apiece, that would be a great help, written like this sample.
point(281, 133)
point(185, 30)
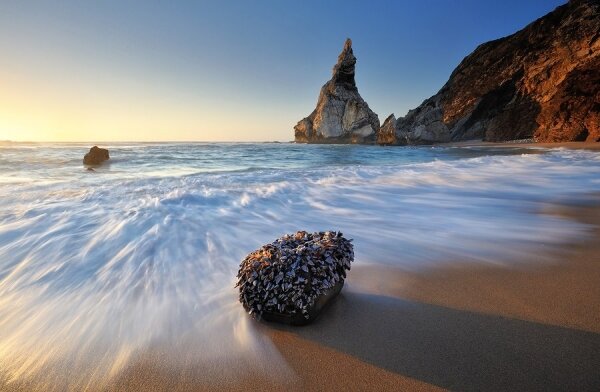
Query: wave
point(96, 269)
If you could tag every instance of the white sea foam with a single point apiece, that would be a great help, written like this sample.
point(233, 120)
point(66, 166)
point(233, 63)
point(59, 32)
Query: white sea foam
point(96, 267)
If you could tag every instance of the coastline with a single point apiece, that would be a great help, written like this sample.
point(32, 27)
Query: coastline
point(467, 261)
point(570, 145)
point(528, 326)
point(594, 146)
point(523, 326)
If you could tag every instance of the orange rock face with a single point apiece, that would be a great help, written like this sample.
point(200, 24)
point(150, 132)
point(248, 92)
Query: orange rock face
point(573, 113)
point(542, 82)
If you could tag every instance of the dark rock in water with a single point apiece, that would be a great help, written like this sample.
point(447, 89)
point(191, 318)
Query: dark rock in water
point(341, 116)
point(293, 278)
point(91, 169)
point(96, 156)
point(541, 82)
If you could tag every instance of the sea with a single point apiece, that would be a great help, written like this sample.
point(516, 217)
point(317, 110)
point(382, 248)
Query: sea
point(97, 266)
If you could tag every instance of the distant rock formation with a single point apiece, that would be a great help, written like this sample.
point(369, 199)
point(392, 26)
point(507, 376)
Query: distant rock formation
point(341, 116)
point(542, 82)
point(387, 133)
point(96, 156)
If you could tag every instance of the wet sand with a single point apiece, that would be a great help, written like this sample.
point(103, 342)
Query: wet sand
point(570, 145)
point(534, 326)
point(465, 327)
point(525, 326)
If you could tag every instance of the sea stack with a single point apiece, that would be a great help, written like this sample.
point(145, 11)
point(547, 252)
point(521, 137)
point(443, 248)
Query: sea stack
point(541, 83)
point(96, 156)
point(341, 115)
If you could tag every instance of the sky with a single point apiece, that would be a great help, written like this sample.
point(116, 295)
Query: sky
point(224, 70)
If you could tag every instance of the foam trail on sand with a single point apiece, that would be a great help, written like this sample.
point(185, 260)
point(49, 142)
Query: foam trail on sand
point(96, 268)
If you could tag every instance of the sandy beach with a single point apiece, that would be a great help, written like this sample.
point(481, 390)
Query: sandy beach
point(535, 327)
point(569, 145)
point(530, 326)
point(495, 324)
point(181, 182)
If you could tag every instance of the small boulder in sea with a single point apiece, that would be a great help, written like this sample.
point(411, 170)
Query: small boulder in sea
point(96, 156)
point(291, 279)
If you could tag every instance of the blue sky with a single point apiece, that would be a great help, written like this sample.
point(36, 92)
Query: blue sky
point(227, 70)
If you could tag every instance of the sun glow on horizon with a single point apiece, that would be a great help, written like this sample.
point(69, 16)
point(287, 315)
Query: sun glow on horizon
point(214, 71)
point(38, 108)
point(51, 125)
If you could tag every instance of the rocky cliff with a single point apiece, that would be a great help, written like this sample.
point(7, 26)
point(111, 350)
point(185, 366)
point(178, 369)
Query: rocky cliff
point(542, 82)
point(341, 115)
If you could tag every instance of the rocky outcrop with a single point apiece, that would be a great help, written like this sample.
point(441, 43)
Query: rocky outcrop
point(341, 115)
point(96, 156)
point(542, 82)
point(387, 133)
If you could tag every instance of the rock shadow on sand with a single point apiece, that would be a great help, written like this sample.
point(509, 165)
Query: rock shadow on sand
point(457, 350)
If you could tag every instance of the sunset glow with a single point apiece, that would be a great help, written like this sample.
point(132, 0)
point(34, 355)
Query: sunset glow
point(214, 72)
point(299, 195)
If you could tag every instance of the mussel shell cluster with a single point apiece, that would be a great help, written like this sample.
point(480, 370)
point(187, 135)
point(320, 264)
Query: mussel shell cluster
point(288, 275)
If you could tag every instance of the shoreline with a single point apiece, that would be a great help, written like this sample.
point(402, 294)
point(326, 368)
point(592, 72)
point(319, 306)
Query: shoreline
point(474, 327)
point(595, 146)
point(560, 290)
point(531, 326)
point(569, 145)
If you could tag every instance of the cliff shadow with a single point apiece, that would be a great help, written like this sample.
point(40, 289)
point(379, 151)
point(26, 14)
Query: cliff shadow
point(503, 113)
point(456, 349)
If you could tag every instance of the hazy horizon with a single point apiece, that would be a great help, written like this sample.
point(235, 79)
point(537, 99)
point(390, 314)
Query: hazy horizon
point(231, 72)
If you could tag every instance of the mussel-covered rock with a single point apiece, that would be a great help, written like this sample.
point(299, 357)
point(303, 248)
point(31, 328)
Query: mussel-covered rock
point(96, 156)
point(291, 279)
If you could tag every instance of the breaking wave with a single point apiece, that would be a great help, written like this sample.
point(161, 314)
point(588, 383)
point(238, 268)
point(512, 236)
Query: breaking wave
point(96, 267)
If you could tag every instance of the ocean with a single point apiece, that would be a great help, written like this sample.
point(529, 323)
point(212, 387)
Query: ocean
point(98, 266)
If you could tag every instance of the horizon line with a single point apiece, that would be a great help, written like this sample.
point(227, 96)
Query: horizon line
point(146, 141)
